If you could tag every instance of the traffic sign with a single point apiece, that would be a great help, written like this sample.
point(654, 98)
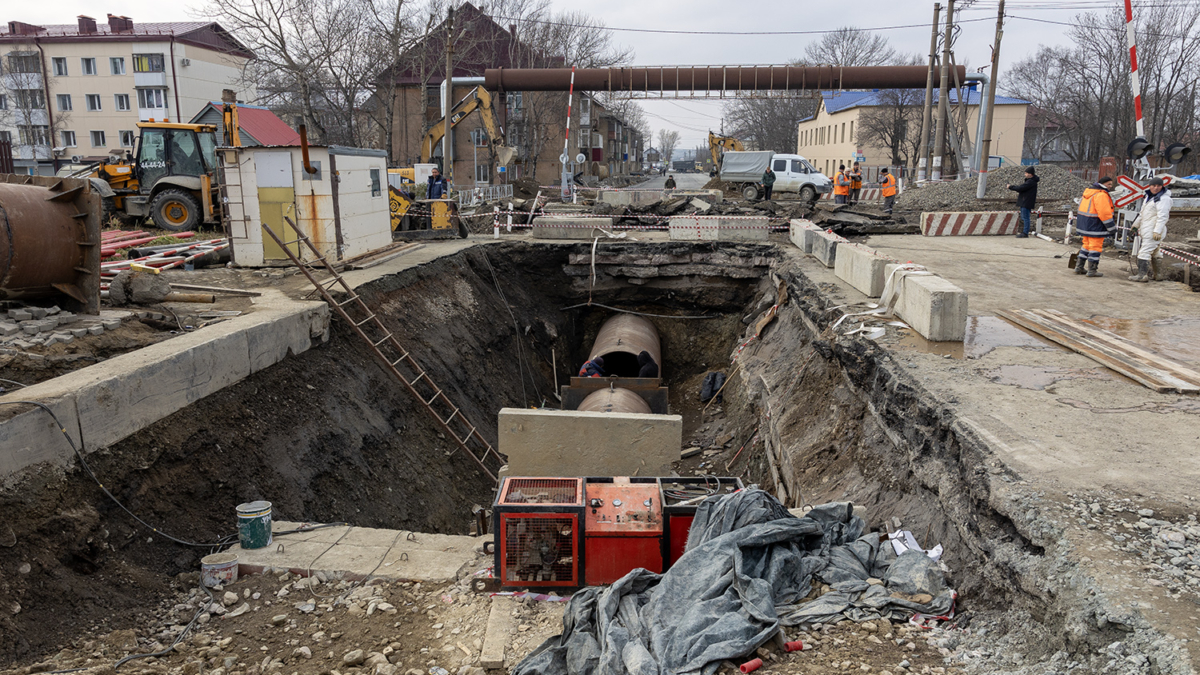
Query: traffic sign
point(1136, 190)
point(579, 159)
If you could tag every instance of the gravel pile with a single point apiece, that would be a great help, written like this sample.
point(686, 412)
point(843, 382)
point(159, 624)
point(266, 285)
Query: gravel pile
point(1056, 185)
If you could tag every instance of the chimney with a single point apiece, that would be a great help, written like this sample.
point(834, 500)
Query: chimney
point(21, 28)
point(119, 24)
point(87, 24)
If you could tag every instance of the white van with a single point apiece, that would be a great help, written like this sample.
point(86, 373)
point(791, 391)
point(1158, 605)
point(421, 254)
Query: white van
point(793, 173)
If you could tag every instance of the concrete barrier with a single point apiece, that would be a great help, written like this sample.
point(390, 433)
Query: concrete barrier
point(942, 224)
point(824, 246)
point(861, 267)
point(643, 197)
point(868, 195)
point(562, 227)
point(574, 443)
point(802, 232)
point(934, 307)
point(684, 228)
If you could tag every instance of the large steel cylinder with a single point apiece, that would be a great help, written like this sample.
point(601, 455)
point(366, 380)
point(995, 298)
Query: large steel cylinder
point(615, 400)
point(621, 339)
point(43, 242)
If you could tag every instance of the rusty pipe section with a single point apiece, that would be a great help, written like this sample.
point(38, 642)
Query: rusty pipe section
point(614, 400)
point(621, 338)
point(710, 78)
point(308, 167)
point(43, 243)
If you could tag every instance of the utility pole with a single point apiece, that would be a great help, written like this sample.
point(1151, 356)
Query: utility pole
point(923, 162)
point(448, 136)
point(939, 140)
point(986, 152)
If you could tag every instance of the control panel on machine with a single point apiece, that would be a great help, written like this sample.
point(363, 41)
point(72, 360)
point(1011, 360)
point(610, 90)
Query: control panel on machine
point(627, 508)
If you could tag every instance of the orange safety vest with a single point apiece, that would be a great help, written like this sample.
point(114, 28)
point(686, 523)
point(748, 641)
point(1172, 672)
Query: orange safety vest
point(856, 179)
point(841, 186)
point(889, 185)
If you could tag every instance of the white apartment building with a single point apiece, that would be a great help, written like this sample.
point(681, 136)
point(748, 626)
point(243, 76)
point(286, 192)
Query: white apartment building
point(74, 93)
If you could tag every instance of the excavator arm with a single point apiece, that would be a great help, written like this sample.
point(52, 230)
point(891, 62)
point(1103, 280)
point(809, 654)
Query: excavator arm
point(478, 99)
point(719, 144)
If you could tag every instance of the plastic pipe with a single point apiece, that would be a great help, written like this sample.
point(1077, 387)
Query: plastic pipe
point(751, 666)
point(794, 646)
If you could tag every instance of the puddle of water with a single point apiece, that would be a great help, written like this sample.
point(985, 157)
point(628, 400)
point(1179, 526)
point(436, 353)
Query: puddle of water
point(984, 333)
point(1039, 377)
point(1177, 337)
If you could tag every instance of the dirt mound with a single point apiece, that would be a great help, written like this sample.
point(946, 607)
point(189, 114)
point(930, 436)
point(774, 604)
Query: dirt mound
point(1056, 185)
point(526, 188)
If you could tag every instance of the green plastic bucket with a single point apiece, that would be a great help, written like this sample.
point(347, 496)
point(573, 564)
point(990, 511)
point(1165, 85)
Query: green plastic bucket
point(254, 524)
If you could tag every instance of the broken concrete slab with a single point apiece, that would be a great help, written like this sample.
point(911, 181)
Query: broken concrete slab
point(561, 227)
point(575, 443)
point(934, 307)
point(861, 267)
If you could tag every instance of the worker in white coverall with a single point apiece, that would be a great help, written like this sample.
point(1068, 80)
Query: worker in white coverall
point(1152, 229)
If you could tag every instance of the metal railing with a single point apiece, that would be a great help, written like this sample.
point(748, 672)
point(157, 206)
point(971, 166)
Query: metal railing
point(487, 193)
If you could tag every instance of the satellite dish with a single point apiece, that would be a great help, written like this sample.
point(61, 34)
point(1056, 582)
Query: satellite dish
point(580, 158)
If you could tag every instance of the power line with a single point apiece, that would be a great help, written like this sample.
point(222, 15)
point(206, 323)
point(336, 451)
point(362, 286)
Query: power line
point(660, 31)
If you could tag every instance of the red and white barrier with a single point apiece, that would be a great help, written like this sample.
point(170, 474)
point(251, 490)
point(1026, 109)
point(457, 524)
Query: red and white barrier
point(969, 224)
point(867, 195)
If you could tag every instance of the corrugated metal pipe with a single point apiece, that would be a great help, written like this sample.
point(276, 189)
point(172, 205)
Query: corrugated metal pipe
point(710, 78)
point(620, 339)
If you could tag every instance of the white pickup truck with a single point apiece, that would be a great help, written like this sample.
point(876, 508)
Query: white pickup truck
point(793, 173)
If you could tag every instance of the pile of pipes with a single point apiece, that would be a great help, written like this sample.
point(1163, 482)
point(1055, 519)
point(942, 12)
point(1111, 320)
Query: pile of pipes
point(113, 241)
point(171, 256)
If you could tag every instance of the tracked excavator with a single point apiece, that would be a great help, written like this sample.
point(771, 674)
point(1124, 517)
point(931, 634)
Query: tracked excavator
point(414, 218)
point(718, 146)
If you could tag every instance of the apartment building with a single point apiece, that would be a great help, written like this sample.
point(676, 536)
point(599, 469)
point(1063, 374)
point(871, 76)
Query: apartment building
point(75, 93)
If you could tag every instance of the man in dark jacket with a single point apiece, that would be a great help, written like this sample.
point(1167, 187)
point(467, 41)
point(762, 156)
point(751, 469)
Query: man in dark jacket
point(1026, 197)
point(439, 187)
point(670, 183)
point(593, 368)
point(646, 365)
point(768, 182)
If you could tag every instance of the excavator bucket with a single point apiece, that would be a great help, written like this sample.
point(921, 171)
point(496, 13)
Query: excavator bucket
point(504, 155)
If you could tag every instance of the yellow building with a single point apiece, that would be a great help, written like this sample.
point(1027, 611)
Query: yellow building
point(833, 136)
point(76, 92)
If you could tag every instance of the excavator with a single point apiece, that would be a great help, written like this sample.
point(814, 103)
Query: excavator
point(717, 146)
point(173, 176)
point(439, 217)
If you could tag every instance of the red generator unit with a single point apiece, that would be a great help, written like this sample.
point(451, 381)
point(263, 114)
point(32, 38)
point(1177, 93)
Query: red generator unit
point(539, 532)
point(624, 528)
point(681, 497)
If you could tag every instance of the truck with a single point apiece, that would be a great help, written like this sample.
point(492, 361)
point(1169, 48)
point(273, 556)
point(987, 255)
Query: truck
point(793, 173)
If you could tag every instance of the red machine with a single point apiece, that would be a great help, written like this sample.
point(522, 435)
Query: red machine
point(624, 528)
point(539, 532)
point(680, 497)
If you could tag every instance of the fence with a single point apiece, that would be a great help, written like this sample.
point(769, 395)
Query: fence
point(487, 193)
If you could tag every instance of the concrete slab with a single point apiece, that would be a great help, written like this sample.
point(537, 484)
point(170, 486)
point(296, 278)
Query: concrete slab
point(861, 267)
point(824, 246)
point(351, 552)
point(934, 307)
point(684, 228)
point(561, 227)
point(573, 443)
point(499, 632)
point(642, 197)
point(801, 231)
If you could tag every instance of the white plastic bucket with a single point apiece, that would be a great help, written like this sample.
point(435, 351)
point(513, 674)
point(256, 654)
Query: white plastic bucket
point(219, 569)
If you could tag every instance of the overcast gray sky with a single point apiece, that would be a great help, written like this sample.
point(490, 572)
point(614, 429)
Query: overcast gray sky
point(693, 118)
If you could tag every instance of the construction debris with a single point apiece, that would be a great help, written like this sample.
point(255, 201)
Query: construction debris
point(1056, 190)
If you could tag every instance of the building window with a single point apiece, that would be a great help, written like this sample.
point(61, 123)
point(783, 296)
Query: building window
point(376, 187)
point(98, 139)
point(64, 102)
point(93, 102)
point(126, 139)
point(483, 173)
point(6, 137)
point(88, 66)
point(30, 99)
point(479, 137)
point(68, 138)
point(34, 134)
point(150, 98)
point(60, 66)
point(121, 101)
point(24, 62)
point(851, 131)
point(3, 102)
point(148, 63)
point(116, 65)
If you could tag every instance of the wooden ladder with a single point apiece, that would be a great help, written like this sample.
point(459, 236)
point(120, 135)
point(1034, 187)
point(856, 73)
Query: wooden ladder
point(391, 354)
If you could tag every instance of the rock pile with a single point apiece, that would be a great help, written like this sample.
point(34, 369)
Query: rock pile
point(1056, 189)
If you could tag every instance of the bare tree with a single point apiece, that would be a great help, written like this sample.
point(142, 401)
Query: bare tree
point(850, 46)
point(893, 124)
point(30, 116)
point(667, 142)
point(768, 123)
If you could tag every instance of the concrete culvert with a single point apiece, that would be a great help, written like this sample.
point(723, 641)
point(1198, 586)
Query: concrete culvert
point(615, 400)
point(620, 340)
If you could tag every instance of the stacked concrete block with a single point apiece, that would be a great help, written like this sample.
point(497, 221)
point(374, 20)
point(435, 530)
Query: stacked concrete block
point(685, 228)
point(825, 246)
point(934, 307)
point(562, 227)
point(802, 231)
point(861, 267)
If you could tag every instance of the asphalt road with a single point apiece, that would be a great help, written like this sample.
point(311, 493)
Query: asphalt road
point(683, 181)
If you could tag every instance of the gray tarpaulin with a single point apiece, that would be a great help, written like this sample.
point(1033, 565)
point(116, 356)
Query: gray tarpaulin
point(745, 166)
point(749, 566)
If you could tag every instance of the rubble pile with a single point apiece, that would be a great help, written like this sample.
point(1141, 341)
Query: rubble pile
point(1056, 189)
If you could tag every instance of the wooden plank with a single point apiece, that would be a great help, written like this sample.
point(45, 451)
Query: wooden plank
point(499, 633)
point(1181, 370)
point(379, 261)
point(1142, 373)
point(215, 289)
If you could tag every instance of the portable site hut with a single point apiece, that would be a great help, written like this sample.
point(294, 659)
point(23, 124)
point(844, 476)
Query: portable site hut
point(342, 207)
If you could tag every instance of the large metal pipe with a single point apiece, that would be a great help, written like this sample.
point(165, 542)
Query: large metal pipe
point(45, 245)
point(621, 339)
point(710, 78)
point(615, 400)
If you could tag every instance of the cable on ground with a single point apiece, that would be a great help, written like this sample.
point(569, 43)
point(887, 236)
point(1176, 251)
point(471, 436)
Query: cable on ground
point(630, 311)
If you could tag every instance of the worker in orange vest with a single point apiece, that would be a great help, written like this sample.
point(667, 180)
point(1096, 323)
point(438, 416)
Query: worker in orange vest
point(855, 183)
point(841, 186)
point(888, 182)
point(1095, 222)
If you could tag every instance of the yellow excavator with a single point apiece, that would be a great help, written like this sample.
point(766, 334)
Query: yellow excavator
point(717, 146)
point(172, 178)
point(440, 216)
